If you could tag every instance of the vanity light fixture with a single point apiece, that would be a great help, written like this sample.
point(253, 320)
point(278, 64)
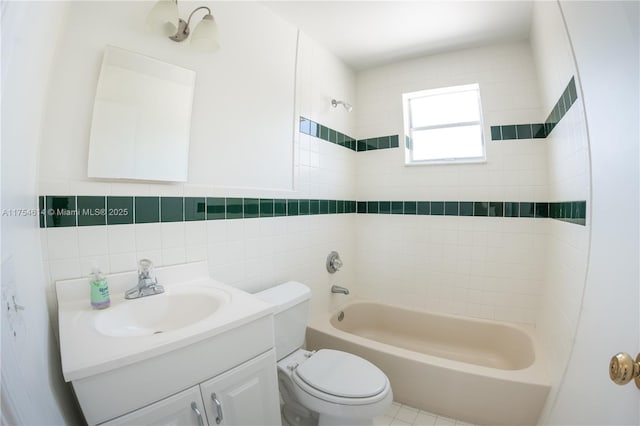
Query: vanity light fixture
point(164, 17)
point(346, 106)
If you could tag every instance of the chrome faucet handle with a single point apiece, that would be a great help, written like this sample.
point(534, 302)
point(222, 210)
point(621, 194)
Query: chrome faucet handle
point(334, 263)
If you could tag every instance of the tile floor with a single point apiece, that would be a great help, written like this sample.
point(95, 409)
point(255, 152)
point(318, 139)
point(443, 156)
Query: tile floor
point(403, 415)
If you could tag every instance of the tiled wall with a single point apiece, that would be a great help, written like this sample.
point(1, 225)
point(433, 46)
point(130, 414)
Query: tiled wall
point(568, 164)
point(488, 267)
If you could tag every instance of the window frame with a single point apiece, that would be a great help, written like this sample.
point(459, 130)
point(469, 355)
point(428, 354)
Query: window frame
point(409, 129)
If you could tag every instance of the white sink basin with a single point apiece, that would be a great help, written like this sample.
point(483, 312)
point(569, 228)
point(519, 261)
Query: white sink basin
point(172, 310)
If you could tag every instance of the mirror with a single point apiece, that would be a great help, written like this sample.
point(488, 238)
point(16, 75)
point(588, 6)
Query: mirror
point(141, 119)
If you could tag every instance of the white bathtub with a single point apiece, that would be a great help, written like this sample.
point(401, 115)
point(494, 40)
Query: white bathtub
point(479, 371)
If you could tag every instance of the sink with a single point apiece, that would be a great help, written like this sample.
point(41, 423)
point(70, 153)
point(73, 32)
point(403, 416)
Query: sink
point(161, 313)
point(193, 308)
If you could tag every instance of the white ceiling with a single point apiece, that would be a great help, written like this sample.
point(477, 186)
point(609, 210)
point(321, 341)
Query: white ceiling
point(366, 34)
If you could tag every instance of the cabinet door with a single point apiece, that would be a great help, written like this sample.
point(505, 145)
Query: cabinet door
point(179, 409)
point(246, 395)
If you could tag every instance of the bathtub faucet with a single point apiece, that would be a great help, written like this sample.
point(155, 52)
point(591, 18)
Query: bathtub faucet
point(338, 289)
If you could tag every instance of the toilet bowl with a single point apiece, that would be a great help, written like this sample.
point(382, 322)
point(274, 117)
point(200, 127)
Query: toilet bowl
point(341, 388)
point(327, 387)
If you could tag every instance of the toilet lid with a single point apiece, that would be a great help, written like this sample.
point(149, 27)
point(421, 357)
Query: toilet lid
point(342, 374)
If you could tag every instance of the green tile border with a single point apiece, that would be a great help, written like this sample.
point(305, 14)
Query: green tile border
point(61, 211)
point(539, 130)
point(317, 130)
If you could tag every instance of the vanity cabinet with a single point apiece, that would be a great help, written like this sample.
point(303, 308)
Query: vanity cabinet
point(179, 409)
point(245, 395)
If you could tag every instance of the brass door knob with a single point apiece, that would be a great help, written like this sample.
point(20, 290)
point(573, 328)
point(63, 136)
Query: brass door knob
point(622, 369)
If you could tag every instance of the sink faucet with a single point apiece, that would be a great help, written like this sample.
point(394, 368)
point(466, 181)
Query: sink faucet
point(338, 289)
point(147, 282)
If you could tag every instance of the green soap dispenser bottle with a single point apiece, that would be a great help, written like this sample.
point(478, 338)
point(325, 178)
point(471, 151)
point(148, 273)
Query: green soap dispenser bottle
point(99, 289)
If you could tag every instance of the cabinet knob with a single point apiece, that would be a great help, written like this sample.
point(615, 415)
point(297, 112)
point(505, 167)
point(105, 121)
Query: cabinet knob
point(623, 369)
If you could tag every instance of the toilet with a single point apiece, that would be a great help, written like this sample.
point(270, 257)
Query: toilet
point(326, 387)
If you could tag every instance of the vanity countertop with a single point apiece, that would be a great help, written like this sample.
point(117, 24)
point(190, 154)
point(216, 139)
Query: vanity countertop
point(94, 341)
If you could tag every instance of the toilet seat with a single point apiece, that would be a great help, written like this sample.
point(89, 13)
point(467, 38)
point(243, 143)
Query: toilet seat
point(341, 378)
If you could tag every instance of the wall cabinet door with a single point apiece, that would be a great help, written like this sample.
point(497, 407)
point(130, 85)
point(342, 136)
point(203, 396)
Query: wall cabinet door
point(246, 395)
point(179, 409)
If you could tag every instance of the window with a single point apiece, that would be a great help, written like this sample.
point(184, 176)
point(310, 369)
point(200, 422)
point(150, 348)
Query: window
point(444, 125)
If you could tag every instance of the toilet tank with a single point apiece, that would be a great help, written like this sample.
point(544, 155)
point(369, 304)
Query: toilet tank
point(291, 300)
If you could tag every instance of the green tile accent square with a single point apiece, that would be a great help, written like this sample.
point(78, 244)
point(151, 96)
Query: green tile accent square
point(508, 132)
point(292, 207)
point(372, 144)
point(352, 206)
point(384, 207)
point(91, 211)
point(410, 207)
point(511, 209)
point(305, 126)
point(573, 94)
point(579, 210)
point(362, 206)
point(341, 139)
point(61, 211)
point(195, 208)
point(496, 133)
point(480, 208)
point(314, 129)
point(266, 207)
point(372, 207)
point(496, 209)
point(119, 210)
point(568, 207)
point(542, 209)
point(424, 208)
point(251, 207)
point(333, 206)
point(171, 209)
point(466, 208)
point(526, 209)
point(451, 208)
point(324, 206)
point(314, 207)
point(303, 207)
point(279, 207)
point(524, 131)
point(538, 131)
point(397, 207)
point(42, 211)
point(437, 208)
point(147, 209)
point(235, 208)
point(340, 206)
point(216, 208)
point(361, 145)
point(333, 136)
point(384, 142)
point(395, 141)
point(324, 132)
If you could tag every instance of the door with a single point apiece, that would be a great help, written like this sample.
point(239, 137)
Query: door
point(184, 408)
point(246, 395)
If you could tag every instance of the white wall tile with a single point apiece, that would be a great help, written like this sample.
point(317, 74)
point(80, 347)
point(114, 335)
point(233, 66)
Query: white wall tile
point(62, 243)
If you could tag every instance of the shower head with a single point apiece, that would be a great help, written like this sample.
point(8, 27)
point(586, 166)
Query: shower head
point(346, 106)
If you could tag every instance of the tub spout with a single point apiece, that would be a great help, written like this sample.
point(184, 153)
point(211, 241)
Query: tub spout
point(338, 289)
